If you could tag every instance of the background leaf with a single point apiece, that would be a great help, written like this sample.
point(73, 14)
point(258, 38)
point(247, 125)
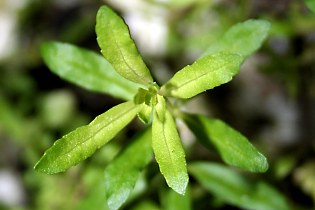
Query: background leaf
point(310, 4)
point(169, 152)
point(95, 199)
point(206, 73)
point(233, 147)
point(86, 69)
point(118, 48)
point(173, 201)
point(243, 38)
point(236, 189)
point(82, 142)
point(122, 173)
point(146, 205)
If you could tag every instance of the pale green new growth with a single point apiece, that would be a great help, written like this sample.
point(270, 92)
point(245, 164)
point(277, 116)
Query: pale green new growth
point(169, 152)
point(206, 73)
point(82, 142)
point(145, 114)
point(94, 74)
point(118, 48)
point(122, 173)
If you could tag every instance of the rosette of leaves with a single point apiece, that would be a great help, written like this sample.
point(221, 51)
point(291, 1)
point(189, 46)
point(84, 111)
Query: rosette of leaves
point(122, 73)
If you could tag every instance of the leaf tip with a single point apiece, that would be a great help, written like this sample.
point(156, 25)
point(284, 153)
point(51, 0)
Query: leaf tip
point(45, 165)
point(180, 184)
point(259, 164)
point(263, 162)
point(40, 167)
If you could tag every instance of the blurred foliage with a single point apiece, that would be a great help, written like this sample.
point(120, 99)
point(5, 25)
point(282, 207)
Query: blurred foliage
point(273, 99)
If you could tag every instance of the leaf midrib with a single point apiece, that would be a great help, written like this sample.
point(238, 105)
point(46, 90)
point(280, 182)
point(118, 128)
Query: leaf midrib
point(199, 77)
point(168, 149)
point(125, 61)
point(95, 133)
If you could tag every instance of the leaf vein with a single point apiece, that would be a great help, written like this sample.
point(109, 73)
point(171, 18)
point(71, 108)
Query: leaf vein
point(198, 77)
point(125, 61)
point(96, 132)
point(167, 146)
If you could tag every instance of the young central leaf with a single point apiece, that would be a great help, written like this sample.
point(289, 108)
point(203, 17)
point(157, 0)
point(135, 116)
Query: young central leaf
point(118, 48)
point(149, 99)
point(82, 142)
point(206, 73)
point(168, 151)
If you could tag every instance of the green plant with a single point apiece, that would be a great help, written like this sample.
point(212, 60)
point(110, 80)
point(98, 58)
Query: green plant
point(123, 74)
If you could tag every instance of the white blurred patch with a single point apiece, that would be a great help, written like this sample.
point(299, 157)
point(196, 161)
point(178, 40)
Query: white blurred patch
point(150, 33)
point(8, 19)
point(15, 4)
point(11, 192)
point(147, 24)
point(7, 34)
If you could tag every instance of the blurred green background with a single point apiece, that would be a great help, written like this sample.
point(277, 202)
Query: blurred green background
point(271, 100)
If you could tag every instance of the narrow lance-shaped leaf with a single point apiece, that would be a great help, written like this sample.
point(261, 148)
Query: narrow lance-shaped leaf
point(206, 73)
point(82, 142)
point(123, 172)
point(168, 150)
point(236, 189)
point(86, 69)
point(233, 147)
point(118, 48)
point(243, 38)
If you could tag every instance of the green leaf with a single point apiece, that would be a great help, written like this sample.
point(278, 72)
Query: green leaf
point(236, 189)
point(118, 48)
point(149, 99)
point(160, 108)
point(122, 173)
point(168, 151)
point(86, 69)
point(84, 141)
point(243, 38)
point(145, 114)
point(174, 201)
point(206, 73)
point(310, 4)
point(95, 197)
point(233, 147)
point(146, 205)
